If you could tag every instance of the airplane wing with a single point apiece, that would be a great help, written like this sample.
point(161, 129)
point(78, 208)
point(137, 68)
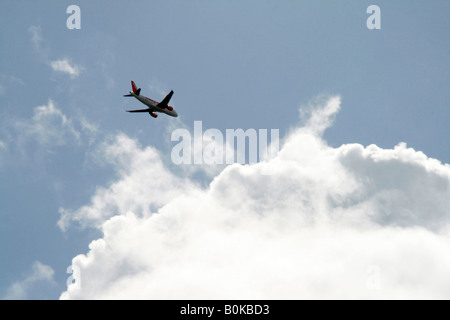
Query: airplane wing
point(165, 103)
point(140, 110)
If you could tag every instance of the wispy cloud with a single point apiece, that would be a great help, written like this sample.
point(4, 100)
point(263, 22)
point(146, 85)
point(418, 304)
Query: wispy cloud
point(7, 80)
point(39, 274)
point(49, 127)
point(36, 37)
point(63, 65)
point(131, 163)
point(38, 42)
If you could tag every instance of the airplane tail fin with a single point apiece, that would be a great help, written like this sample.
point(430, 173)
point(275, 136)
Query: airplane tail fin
point(135, 88)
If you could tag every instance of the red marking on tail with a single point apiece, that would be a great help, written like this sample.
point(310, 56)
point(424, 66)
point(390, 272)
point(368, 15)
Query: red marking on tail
point(133, 85)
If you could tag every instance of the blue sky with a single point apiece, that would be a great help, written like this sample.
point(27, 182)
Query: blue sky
point(232, 64)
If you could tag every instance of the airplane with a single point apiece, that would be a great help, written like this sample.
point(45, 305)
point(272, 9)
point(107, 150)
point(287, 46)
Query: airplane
point(153, 106)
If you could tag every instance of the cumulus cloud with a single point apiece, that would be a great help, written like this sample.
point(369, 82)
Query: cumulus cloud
point(197, 151)
point(40, 273)
point(346, 222)
point(65, 66)
point(144, 184)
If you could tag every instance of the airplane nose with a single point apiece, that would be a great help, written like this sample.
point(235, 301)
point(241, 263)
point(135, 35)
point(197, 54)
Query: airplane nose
point(175, 114)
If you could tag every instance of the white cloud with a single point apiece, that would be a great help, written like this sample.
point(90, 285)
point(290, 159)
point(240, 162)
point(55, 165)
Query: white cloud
point(319, 119)
point(6, 80)
point(40, 273)
point(202, 145)
point(2, 148)
point(145, 184)
point(346, 222)
point(36, 36)
point(38, 42)
point(49, 126)
point(60, 65)
point(159, 87)
point(65, 66)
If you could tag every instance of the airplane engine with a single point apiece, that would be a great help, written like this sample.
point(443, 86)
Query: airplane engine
point(154, 115)
point(169, 108)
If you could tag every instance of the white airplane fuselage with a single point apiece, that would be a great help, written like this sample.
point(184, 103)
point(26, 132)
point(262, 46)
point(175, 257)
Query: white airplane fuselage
point(152, 105)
